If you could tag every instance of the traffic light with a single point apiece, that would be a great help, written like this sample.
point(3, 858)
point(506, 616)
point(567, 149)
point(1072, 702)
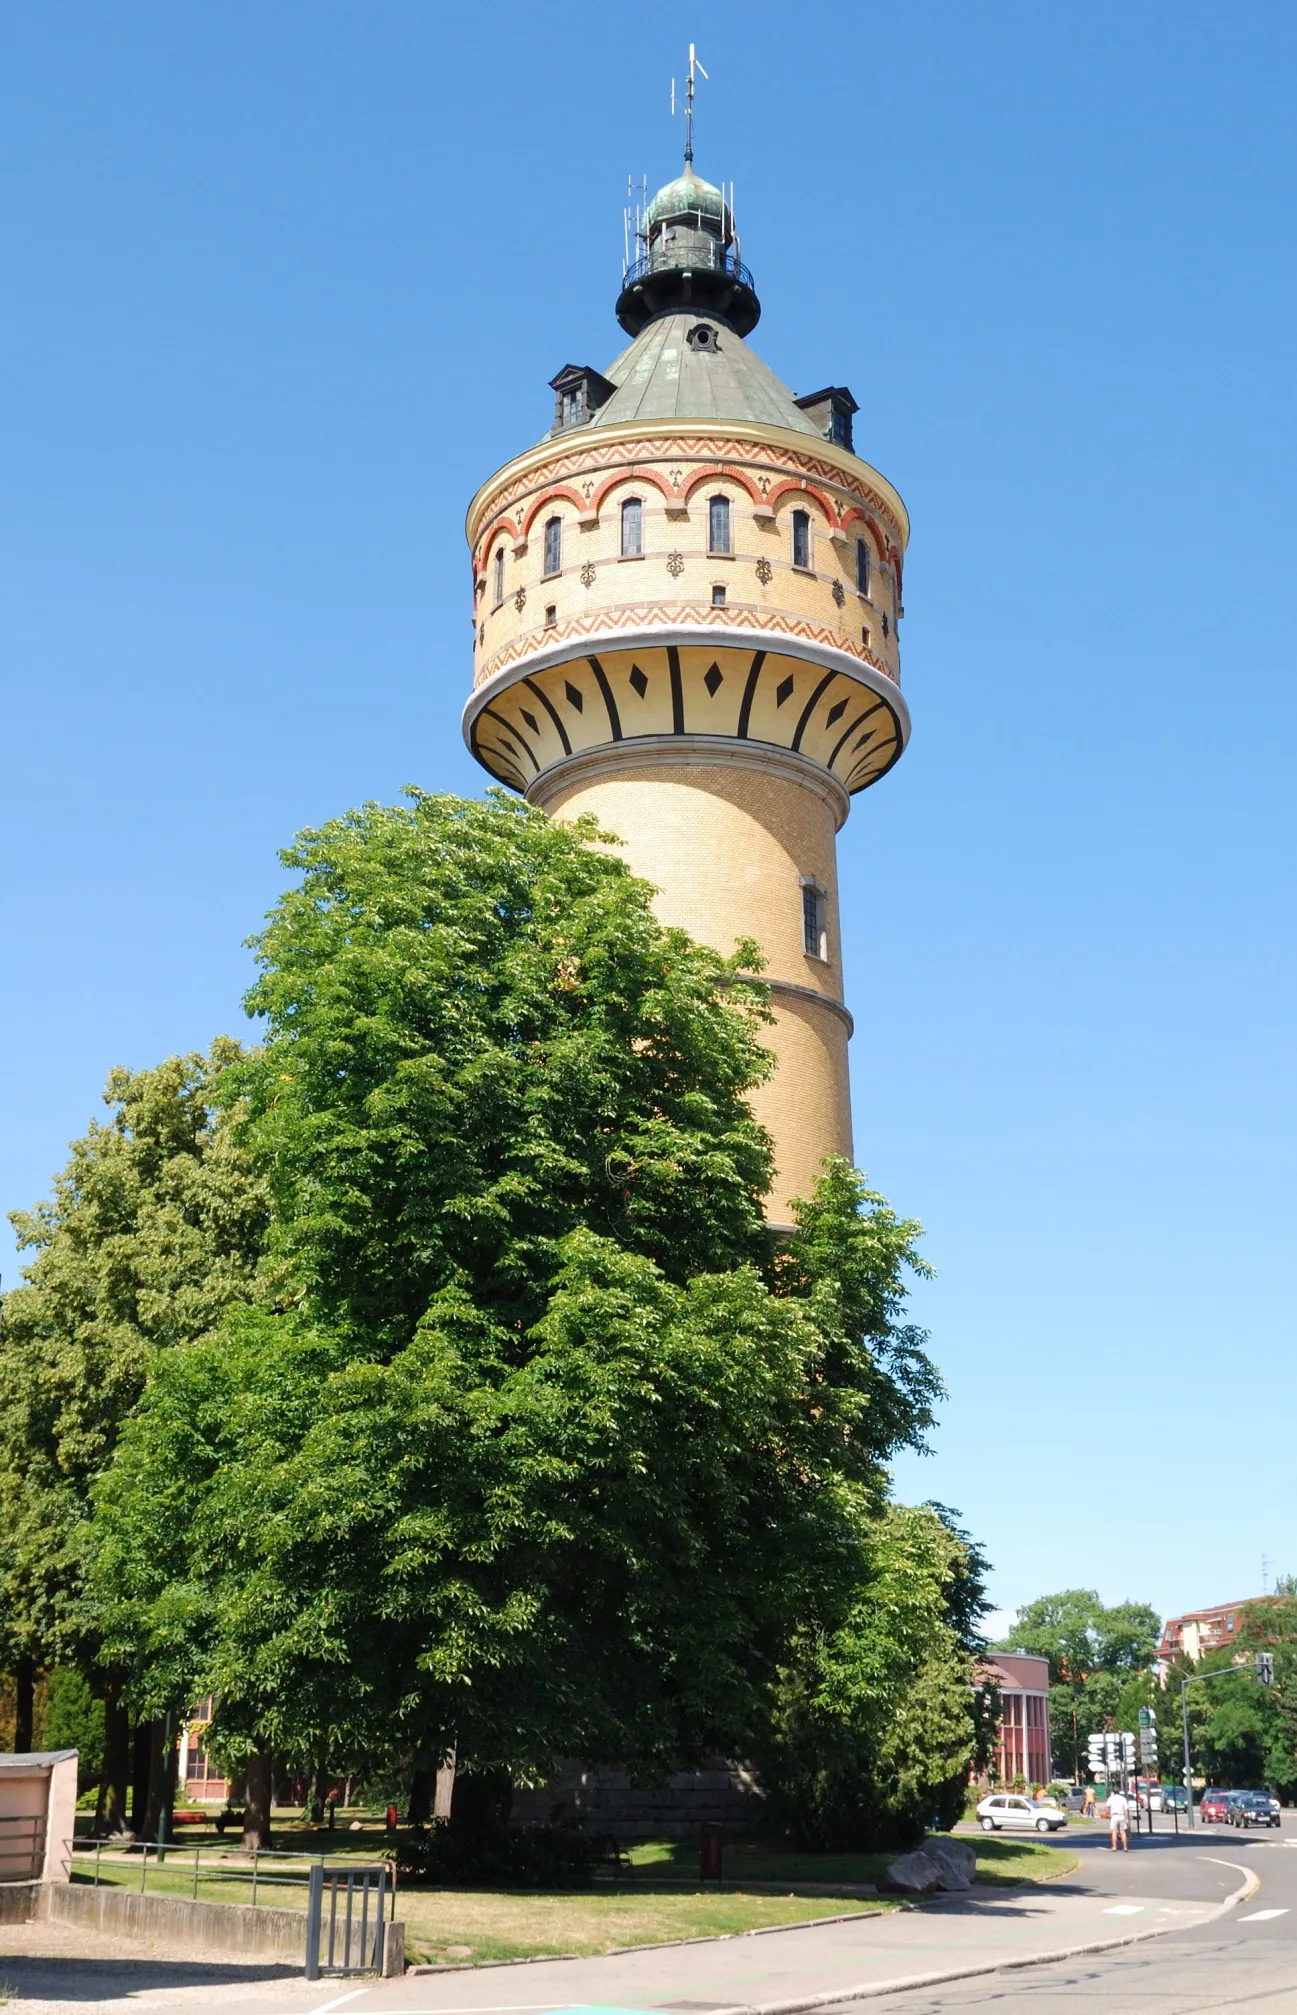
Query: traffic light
point(1265, 1667)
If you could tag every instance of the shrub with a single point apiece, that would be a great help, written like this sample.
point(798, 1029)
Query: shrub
point(528, 1857)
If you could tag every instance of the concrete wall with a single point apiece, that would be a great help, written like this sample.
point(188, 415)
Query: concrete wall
point(234, 1930)
point(224, 1930)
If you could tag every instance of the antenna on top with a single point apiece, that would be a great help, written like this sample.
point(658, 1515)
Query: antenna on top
point(694, 64)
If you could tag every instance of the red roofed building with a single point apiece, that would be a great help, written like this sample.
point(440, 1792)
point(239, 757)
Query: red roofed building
point(1023, 1746)
point(1202, 1630)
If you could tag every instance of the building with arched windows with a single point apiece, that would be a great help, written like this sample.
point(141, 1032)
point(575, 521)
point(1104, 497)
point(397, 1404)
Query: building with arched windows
point(686, 599)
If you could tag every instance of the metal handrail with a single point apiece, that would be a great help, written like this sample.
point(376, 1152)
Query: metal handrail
point(705, 257)
point(242, 1865)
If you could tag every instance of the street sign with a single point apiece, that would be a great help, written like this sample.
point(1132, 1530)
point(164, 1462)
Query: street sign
point(1147, 1718)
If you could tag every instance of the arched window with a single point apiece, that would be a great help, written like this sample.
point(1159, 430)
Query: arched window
point(718, 525)
point(553, 545)
point(801, 538)
point(862, 567)
point(632, 528)
point(499, 574)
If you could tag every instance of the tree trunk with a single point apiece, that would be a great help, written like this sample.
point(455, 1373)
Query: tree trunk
point(24, 1704)
point(319, 1788)
point(110, 1812)
point(139, 1777)
point(157, 1793)
point(445, 1786)
point(423, 1787)
point(256, 1801)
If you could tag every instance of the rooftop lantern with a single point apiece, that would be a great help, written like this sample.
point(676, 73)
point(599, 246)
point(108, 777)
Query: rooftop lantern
point(688, 253)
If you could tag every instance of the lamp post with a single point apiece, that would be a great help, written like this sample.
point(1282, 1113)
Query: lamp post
point(1265, 1676)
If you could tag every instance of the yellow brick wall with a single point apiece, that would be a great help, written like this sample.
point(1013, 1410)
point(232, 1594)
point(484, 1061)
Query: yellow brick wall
point(675, 565)
point(726, 847)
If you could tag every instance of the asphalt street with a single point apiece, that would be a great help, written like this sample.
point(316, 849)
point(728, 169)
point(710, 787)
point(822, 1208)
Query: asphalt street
point(1245, 1960)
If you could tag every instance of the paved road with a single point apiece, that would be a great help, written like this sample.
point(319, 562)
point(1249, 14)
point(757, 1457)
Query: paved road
point(1246, 1961)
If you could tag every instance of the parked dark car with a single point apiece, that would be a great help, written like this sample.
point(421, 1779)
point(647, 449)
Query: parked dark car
point(1174, 1798)
point(1253, 1808)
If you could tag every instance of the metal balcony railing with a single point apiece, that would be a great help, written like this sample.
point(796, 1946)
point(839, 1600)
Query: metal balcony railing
point(706, 257)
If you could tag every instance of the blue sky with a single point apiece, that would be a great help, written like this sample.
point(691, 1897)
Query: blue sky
point(285, 281)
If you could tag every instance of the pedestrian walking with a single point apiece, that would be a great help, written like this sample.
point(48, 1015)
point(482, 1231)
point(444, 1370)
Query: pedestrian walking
point(1119, 1821)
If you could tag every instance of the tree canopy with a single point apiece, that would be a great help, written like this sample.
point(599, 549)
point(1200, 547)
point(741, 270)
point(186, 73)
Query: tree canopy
point(154, 1228)
point(450, 1385)
point(479, 1038)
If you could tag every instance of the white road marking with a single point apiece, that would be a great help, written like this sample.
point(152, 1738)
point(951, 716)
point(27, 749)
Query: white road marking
point(1259, 1916)
point(341, 2002)
point(1124, 1910)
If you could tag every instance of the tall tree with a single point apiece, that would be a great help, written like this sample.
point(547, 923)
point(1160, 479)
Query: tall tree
point(554, 1453)
point(154, 1228)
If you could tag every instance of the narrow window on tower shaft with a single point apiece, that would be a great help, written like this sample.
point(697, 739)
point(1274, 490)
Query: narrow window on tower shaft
point(801, 538)
point(718, 525)
point(553, 545)
point(632, 529)
point(499, 575)
point(862, 567)
point(813, 932)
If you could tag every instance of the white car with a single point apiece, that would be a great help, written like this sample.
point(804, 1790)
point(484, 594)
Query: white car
point(1011, 1808)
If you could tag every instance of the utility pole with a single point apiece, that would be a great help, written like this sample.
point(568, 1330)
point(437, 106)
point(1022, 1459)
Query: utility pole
point(1265, 1677)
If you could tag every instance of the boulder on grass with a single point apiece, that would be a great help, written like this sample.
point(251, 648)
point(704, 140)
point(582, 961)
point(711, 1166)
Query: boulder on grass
point(956, 1859)
point(917, 1874)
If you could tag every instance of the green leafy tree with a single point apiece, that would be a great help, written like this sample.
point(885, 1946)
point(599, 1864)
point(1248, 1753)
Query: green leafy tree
point(873, 1725)
point(480, 1039)
point(1093, 1651)
point(553, 1454)
point(154, 1229)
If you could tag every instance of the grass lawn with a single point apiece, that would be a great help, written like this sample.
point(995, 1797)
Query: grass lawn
point(998, 1860)
point(660, 1901)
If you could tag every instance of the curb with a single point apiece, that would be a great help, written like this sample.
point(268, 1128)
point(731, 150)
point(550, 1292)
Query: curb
point(872, 1989)
point(876, 1988)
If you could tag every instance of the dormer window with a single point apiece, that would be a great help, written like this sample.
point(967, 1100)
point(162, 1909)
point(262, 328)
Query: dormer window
point(579, 392)
point(553, 546)
point(718, 525)
point(831, 413)
point(498, 572)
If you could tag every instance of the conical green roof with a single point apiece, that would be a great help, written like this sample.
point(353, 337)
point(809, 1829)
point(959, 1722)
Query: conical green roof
point(661, 376)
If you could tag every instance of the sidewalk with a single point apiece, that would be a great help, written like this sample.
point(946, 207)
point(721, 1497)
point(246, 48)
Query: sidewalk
point(777, 1972)
point(759, 1973)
